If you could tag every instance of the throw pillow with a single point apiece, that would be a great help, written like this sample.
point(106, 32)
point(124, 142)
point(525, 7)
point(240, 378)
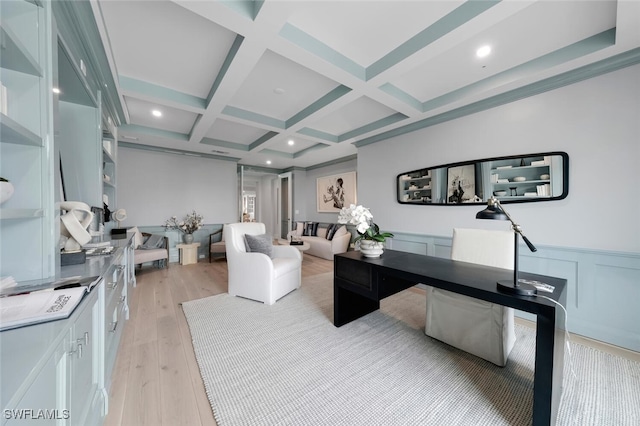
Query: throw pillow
point(299, 228)
point(331, 230)
point(259, 244)
point(153, 242)
point(341, 231)
point(310, 229)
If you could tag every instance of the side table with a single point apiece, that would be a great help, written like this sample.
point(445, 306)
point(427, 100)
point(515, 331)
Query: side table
point(188, 253)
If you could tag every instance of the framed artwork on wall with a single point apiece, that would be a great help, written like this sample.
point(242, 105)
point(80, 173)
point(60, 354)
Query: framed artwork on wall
point(336, 191)
point(461, 184)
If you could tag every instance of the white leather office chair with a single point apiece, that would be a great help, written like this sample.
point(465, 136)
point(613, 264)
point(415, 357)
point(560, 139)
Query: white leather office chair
point(255, 275)
point(481, 328)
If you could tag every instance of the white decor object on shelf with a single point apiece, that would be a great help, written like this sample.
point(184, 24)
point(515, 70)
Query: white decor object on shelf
point(120, 215)
point(6, 190)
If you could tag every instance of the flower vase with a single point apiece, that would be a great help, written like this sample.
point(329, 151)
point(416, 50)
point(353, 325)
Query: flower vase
point(371, 248)
point(187, 238)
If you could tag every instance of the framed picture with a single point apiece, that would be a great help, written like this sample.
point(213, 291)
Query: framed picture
point(461, 184)
point(335, 192)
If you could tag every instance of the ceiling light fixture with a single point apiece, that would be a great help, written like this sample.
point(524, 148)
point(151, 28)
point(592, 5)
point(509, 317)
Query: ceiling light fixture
point(483, 51)
point(156, 113)
point(56, 90)
point(268, 161)
point(278, 91)
point(291, 142)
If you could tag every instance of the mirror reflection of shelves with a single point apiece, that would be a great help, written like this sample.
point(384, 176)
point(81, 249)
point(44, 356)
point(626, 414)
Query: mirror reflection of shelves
point(512, 179)
point(416, 187)
point(527, 177)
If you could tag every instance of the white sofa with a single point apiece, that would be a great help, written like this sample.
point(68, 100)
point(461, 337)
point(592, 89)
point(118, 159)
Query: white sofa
point(319, 245)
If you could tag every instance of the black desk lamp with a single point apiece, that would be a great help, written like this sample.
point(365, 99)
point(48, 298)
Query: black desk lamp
point(495, 211)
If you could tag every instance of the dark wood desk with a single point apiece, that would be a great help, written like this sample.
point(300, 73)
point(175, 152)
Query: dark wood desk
point(360, 283)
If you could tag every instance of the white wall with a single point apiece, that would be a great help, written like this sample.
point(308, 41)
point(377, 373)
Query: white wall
point(305, 191)
point(597, 122)
point(153, 186)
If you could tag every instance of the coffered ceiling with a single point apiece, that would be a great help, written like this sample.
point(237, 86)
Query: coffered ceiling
point(302, 83)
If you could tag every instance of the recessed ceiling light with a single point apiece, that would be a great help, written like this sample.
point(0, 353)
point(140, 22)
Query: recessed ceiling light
point(483, 51)
point(278, 91)
point(156, 113)
point(56, 90)
point(268, 161)
point(291, 142)
point(133, 138)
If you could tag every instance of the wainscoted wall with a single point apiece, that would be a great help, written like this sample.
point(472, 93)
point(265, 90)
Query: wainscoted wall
point(603, 291)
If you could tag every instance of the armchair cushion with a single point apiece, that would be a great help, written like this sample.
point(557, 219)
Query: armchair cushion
point(259, 243)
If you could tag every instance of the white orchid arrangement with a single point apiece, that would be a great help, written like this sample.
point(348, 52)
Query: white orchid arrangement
point(190, 224)
point(362, 218)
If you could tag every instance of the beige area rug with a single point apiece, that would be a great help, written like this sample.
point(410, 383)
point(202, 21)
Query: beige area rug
point(286, 364)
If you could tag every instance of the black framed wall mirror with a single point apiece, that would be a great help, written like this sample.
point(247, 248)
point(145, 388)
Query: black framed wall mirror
point(512, 179)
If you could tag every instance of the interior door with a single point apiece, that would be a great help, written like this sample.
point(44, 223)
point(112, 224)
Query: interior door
point(285, 205)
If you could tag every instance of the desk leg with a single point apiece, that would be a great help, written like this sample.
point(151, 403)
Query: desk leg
point(348, 306)
point(548, 375)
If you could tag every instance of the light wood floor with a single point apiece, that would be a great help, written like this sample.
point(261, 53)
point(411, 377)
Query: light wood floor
point(156, 380)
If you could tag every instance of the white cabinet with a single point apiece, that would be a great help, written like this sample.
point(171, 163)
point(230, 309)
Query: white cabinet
point(59, 372)
point(27, 219)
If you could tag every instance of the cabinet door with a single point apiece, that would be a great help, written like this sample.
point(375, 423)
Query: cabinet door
point(84, 362)
point(45, 402)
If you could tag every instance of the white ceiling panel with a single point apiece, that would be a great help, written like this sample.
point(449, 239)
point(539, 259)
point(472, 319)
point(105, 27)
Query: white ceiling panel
point(541, 29)
point(279, 88)
point(172, 119)
point(365, 31)
point(229, 131)
point(164, 44)
point(359, 113)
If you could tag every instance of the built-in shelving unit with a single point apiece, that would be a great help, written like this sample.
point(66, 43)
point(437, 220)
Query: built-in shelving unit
point(27, 224)
point(109, 155)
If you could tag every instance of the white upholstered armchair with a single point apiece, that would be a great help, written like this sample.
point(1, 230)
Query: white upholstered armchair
point(481, 328)
point(255, 275)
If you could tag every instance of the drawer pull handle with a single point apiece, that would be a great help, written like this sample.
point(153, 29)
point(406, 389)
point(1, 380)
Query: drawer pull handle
point(84, 339)
point(78, 350)
point(123, 298)
point(114, 325)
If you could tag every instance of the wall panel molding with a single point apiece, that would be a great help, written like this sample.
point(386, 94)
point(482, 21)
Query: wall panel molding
point(603, 288)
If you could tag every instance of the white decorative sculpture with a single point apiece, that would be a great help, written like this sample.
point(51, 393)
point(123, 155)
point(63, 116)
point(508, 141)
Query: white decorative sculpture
point(74, 224)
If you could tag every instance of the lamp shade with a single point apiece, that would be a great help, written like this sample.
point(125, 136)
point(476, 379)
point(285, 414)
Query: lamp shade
point(493, 211)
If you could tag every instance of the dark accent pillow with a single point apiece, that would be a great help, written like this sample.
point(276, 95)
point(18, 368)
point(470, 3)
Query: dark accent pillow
point(331, 230)
point(310, 229)
point(259, 244)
